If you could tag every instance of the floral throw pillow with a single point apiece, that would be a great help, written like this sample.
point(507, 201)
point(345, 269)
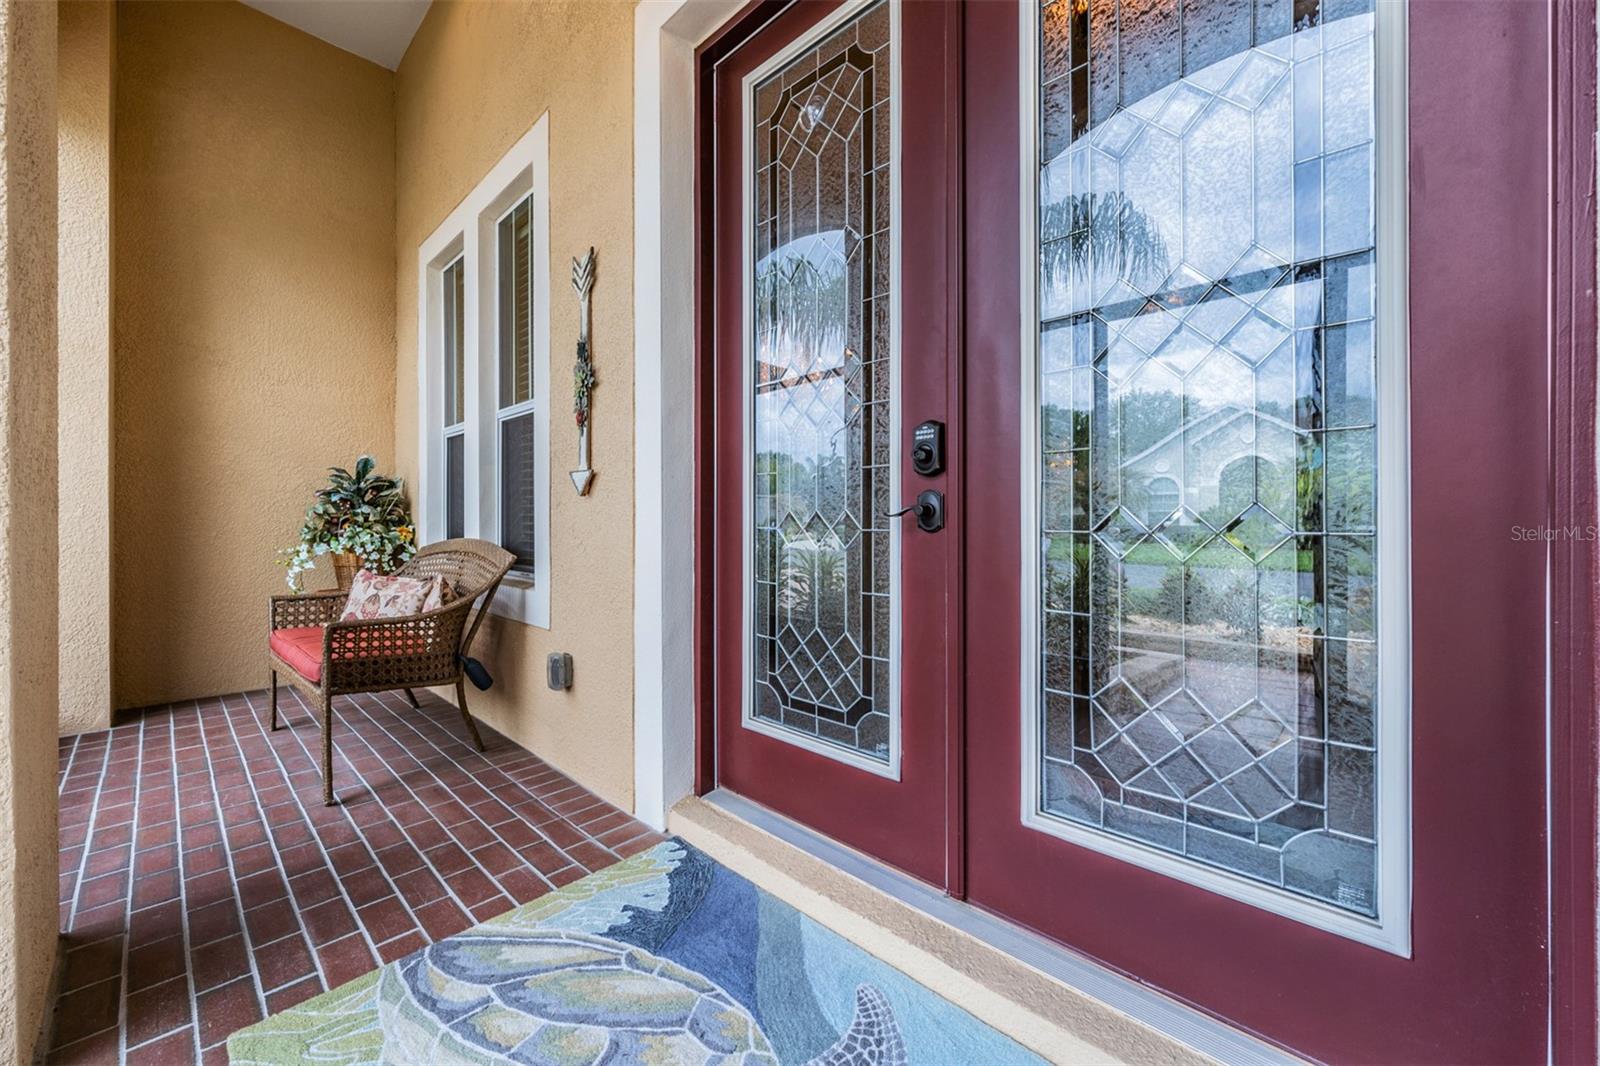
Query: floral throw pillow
point(440, 592)
point(386, 596)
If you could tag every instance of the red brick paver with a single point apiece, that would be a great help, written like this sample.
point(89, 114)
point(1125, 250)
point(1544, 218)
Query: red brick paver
point(204, 885)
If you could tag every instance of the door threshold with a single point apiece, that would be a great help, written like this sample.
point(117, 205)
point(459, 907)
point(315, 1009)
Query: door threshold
point(1059, 1003)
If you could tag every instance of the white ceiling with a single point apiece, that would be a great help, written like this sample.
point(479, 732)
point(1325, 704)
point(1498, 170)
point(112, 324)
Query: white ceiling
point(379, 30)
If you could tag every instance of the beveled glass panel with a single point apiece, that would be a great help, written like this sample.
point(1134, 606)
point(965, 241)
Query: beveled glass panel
point(1207, 430)
point(823, 569)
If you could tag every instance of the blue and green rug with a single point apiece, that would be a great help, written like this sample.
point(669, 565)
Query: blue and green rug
point(664, 958)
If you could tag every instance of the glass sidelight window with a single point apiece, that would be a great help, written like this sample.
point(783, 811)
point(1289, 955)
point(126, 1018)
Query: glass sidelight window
point(820, 397)
point(1207, 445)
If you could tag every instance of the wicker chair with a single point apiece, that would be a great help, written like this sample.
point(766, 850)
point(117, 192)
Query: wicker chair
point(382, 654)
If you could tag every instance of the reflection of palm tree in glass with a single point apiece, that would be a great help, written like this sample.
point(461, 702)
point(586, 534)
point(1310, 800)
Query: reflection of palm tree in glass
point(805, 327)
point(1106, 233)
point(813, 570)
point(800, 300)
point(811, 573)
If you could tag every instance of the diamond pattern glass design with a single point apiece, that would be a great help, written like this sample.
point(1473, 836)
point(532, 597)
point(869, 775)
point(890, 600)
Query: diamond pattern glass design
point(824, 555)
point(1208, 441)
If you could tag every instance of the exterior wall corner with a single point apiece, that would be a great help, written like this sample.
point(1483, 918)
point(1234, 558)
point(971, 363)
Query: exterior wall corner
point(28, 555)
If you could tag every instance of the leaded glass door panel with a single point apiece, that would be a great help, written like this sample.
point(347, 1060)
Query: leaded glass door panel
point(832, 340)
point(1240, 722)
point(1211, 591)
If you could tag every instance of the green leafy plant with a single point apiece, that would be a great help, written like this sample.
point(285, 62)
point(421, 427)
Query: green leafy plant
point(362, 513)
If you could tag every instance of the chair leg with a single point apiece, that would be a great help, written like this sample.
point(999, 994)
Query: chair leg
point(327, 751)
point(461, 701)
point(411, 697)
point(274, 699)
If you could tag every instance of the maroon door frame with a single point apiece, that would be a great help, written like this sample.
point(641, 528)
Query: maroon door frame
point(910, 823)
point(1444, 89)
point(708, 54)
point(1575, 576)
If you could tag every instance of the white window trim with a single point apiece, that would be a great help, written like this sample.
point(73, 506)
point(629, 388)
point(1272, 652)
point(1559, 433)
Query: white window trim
point(666, 34)
point(1391, 931)
point(470, 233)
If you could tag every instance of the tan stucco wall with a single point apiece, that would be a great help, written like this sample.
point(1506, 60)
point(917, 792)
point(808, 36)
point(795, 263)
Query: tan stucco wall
point(28, 915)
point(255, 320)
point(86, 39)
point(476, 78)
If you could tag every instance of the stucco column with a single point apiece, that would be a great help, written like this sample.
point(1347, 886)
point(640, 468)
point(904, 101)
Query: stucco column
point(28, 611)
point(84, 87)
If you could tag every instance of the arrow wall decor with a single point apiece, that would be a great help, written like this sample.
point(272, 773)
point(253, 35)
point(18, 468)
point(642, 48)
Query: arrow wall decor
point(583, 380)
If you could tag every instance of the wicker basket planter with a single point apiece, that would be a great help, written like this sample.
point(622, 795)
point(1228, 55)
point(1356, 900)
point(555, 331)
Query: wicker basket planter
point(345, 565)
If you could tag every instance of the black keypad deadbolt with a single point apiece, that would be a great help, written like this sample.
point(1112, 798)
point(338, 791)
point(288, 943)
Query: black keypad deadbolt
point(927, 459)
point(927, 449)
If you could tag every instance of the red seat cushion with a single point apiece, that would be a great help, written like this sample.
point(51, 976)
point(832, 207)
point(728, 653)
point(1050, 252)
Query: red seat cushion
point(300, 648)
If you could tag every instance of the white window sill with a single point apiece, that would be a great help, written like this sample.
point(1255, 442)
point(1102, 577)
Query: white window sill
point(522, 599)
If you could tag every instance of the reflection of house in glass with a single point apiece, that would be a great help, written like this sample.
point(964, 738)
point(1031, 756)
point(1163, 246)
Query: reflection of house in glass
point(1217, 457)
point(1208, 446)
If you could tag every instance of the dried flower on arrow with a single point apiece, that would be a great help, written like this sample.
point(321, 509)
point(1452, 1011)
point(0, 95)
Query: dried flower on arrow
point(582, 383)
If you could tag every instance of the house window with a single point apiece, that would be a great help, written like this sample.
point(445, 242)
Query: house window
point(516, 417)
point(483, 373)
point(455, 398)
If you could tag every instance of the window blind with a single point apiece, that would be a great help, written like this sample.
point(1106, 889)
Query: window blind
point(517, 465)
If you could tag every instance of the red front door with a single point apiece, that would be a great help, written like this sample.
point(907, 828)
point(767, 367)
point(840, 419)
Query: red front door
point(1270, 733)
point(832, 346)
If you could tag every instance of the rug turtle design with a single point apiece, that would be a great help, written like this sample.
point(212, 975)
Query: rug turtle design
point(873, 1038)
point(664, 959)
point(558, 997)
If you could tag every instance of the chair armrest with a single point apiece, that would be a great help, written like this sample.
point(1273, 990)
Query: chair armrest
point(307, 609)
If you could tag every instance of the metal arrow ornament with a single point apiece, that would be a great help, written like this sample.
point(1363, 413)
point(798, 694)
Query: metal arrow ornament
point(583, 381)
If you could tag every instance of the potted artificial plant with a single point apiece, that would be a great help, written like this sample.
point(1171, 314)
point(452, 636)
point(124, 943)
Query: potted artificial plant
point(361, 519)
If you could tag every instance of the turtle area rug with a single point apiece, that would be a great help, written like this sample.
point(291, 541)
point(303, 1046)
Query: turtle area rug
point(664, 958)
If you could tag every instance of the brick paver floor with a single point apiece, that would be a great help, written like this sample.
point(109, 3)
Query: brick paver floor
point(204, 884)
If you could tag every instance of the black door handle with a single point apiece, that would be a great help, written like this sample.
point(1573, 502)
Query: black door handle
point(929, 510)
